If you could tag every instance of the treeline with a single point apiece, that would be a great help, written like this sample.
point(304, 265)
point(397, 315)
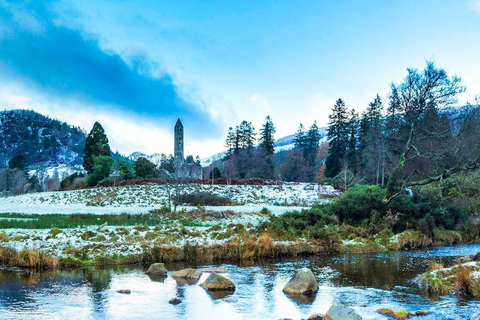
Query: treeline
point(250, 157)
point(413, 138)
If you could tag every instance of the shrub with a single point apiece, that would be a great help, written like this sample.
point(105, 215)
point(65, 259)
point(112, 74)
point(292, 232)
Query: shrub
point(203, 199)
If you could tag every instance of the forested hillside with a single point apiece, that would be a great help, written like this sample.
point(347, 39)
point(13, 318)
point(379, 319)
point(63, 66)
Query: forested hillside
point(39, 138)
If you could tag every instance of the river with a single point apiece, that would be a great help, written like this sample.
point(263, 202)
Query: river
point(365, 282)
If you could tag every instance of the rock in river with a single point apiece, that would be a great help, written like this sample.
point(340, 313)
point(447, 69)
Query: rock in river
point(303, 282)
point(398, 313)
point(174, 301)
point(339, 312)
point(216, 282)
point(188, 273)
point(157, 269)
point(124, 291)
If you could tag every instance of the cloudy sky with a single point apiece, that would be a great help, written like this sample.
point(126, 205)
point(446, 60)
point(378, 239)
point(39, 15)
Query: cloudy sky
point(135, 66)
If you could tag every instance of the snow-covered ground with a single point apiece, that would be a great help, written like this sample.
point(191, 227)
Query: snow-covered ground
point(141, 199)
point(126, 240)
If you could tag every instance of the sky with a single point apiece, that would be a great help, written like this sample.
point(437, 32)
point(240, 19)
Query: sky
point(135, 66)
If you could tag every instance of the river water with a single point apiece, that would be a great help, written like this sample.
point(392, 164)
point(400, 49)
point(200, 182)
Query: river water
point(365, 282)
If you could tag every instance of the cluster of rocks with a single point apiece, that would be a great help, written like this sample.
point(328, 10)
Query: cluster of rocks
point(214, 282)
point(303, 283)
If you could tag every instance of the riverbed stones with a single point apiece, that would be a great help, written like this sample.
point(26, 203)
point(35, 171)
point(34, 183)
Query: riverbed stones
point(124, 291)
point(216, 282)
point(188, 273)
point(396, 313)
point(175, 301)
point(157, 269)
point(303, 282)
point(339, 312)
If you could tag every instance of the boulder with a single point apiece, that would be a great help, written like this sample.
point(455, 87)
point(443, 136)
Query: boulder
point(339, 312)
point(477, 257)
point(214, 269)
point(303, 282)
point(157, 269)
point(421, 313)
point(216, 282)
point(124, 291)
point(188, 273)
point(174, 301)
point(397, 313)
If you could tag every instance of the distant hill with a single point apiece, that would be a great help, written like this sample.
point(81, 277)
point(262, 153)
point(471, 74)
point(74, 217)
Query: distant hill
point(155, 158)
point(44, 141)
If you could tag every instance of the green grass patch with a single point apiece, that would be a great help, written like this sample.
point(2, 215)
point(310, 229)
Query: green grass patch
point(61, 221)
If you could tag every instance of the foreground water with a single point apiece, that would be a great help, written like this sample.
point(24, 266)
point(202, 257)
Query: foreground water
point(365, 282)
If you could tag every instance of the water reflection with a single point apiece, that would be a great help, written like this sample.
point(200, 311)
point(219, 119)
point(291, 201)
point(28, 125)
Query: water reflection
point(365, 282)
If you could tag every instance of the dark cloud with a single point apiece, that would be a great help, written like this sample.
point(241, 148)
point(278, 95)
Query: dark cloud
point(59, 61)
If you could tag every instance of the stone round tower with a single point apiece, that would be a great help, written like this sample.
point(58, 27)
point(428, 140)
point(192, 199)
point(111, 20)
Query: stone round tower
point(178, 143)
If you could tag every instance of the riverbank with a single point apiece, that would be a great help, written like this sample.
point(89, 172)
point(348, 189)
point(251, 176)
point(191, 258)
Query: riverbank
point(64, 241)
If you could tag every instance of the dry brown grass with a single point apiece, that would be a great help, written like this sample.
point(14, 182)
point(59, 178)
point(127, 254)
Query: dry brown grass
point(246, 248)
point(465, 284)
point(27, 258)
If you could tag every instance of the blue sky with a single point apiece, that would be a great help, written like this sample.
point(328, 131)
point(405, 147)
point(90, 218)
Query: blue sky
point(136, 66)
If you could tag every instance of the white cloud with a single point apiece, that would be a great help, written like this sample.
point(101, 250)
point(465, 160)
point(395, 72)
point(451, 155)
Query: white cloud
point(127, 132)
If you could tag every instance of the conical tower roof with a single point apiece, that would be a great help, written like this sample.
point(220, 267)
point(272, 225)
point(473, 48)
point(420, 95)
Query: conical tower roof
point(179, 123)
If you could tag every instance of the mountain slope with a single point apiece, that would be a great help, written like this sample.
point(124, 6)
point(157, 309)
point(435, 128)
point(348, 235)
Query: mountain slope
point(41, 139)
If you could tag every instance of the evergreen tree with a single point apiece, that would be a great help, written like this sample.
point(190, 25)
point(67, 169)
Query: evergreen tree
point(95, 145)
point(125, 169)
point(351, 152)
point(300, 138)
point(373, 144)
point(266, 136)
point(102, 166)
point(18, 162)
point(337, 139)
point(246, 135)
point(231, 142)
point(144, 168)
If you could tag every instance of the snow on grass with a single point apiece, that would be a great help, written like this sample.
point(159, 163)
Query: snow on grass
point(141, 199)
point(94, 241)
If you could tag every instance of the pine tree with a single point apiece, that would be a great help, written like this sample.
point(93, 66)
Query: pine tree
point(231, 142)
point(95, 145)
point(266, 136)
point(300, 138)
point(246, 135)
point(337, 138)
point(372, 144)
point(351, 152)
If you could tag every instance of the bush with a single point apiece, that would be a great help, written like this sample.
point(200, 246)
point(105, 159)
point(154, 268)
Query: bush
point(68, 181)
point(203, 199)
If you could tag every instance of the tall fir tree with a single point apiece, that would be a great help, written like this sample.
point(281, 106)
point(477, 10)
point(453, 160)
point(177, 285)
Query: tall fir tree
point(337, 138)
point(246, 135)
point(300, 138)
point(231, 142)
point(267, 140)
point(95, 145)
point(352, 132)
